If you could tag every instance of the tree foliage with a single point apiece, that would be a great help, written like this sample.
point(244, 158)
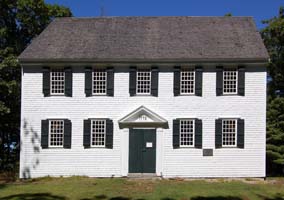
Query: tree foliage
point(20, 21)
point(273, 36)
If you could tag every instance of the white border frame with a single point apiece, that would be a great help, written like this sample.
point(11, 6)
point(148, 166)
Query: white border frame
point(49, 134)
point(91, 133)
point(237, 74)
point(236, 133)
point(98, 94)
point(180, 85)
point(193, 137)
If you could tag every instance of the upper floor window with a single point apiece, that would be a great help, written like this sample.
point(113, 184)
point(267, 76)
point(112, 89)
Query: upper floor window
point(56, 132)
point(98, 133)
point(187, 80)
point(187, 133)
point(99, 82)
point(230, 81)
point(57, 80)
point(229, 132)
point(143, 83)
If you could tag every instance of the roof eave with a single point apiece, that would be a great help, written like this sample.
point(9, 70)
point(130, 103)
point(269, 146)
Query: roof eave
point(107, 61)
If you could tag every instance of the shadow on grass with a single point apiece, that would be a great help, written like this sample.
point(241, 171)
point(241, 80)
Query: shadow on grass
point(216, 198)
point(36, 196)
point(104, 197)
point(276, 197)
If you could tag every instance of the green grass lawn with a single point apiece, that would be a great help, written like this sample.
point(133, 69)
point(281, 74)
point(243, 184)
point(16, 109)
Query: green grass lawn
point(83, 188)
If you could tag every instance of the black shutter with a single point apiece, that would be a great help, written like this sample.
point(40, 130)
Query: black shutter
point(176, 133)
point(44, 133)
point(67, 139)
point(110, 81)
point(198, 133)
point(241, 134)
point(218, 133)
point(154, 81)
point(132, 81)
point(68, 81)
point(176, 81)
point(241, 80)
point(46, 81)
point(109, 133)
point(87, 133)
point(219, 80)
point(88, 81)
point(198, 81)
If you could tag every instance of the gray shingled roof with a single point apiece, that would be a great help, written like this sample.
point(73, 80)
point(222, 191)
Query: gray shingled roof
point(148, 39)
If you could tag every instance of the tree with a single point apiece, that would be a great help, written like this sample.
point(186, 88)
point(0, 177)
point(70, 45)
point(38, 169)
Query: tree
point(273, 36)
point(275, 136)
point(20, 21)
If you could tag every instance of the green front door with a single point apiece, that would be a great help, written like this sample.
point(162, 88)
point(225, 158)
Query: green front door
point(142, 151)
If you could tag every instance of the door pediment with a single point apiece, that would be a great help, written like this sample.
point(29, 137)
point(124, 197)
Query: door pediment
point(143, 117)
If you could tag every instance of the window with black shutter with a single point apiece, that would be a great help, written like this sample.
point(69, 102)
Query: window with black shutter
point(67, 138)
point(110, 81)
point(229, 133)
point(56, 133)
point(68, 81)
point(98, 133)
point(230, 80)
point(132, 81)
point(88, 81)
point(154, 81)
point(176, 133)
point(198, 134)
point(46, 81)
point(176, 80)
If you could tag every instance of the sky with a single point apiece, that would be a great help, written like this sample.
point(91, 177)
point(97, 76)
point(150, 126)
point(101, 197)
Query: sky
point(259, 9)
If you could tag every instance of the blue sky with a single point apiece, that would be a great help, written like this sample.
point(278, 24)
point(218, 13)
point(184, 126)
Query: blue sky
point(259, 9)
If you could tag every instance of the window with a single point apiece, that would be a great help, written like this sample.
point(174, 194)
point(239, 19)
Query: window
point(187, 133)
point(187, 80)
point(143, 81)
point(57, 81)
point(98, 132)
point(229, 132)
point(99, 81)
point(230, 81)
point(56, 132)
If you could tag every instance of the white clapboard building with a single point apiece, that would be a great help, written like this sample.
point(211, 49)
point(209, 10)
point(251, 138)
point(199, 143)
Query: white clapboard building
point(165, 96)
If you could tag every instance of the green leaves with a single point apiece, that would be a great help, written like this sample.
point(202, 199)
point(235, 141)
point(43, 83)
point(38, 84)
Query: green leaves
point(20, 21)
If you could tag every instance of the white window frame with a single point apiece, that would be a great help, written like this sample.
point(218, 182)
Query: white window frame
point(187, 70)
point(93, 76)
point(49, 134)
point(150, 80)
point(51, 82)
point(224, 71)
point(91, 138)
point(236, 132)
point(193, 133)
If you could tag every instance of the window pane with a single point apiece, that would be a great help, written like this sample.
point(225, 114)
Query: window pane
point(56, 128)
point(143, 81)
point(186, 133)
point(187, 80)
point(57, 81)
point(230, 81)
point(229, 132)
point(98, 133)
point(99, 81)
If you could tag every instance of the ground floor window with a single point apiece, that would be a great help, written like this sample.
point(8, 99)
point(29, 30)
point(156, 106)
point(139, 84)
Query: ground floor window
point(56, 132)
point(229, 132)
point(98, 133)
point(187, 133)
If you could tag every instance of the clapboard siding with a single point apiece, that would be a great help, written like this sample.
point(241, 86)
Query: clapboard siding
point(101, 162)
